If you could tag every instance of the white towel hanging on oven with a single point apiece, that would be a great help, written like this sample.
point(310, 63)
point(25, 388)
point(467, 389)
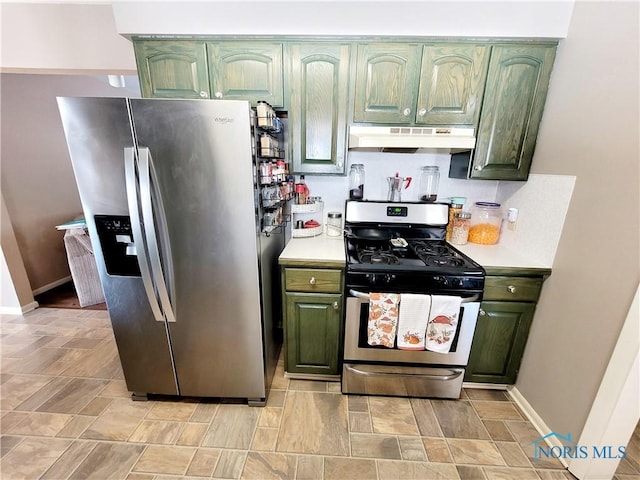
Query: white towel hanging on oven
point(443, 322)
point(412, 321)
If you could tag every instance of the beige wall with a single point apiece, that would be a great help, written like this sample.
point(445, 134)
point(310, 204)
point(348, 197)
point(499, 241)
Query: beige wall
point(15, 290)
point(590, 129)
point(55, 38)
point(37, 179)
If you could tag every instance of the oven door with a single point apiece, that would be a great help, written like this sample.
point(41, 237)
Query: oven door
point(357, 349)
point(377, 370)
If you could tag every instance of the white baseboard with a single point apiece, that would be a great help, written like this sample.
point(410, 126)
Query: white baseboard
point(485, 386)
point(52, 285)
point(19, 310)
point(535, 419)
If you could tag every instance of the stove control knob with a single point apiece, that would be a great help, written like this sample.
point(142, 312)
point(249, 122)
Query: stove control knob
point(388, 278)
point(372, 278)
point(458, 282)
point(441, 279)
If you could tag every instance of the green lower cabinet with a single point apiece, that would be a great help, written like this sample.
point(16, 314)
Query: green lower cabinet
point(499, 341)
point(312, 333)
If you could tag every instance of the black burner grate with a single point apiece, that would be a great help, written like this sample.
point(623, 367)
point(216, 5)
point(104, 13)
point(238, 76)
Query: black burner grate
point(377, 257)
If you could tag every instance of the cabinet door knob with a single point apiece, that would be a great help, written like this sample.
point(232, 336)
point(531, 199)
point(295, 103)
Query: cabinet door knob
point(422, 112)
point(482, 313)
point(511, 289)
point(312, 281)
point(336, 305)
point(218, 95)
point(406, 112)
point(478, 167)
point(204, 94)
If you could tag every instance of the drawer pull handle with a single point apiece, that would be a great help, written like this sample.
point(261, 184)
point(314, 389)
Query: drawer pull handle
point(482, 313)
point(312, 281)
point(336, 305)
point(511, 289)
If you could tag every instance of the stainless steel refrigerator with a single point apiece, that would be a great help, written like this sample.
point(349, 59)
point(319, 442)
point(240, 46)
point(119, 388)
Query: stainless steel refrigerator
point(191, 283)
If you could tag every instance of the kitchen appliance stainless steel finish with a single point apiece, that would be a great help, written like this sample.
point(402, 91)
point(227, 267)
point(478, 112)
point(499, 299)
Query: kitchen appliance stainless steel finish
point(400, 248)
point(168, 189)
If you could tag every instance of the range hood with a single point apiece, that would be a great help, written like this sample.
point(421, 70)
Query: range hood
point(411, 139)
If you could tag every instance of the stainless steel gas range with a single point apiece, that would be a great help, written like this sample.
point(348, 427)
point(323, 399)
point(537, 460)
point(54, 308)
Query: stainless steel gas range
point(400, 248)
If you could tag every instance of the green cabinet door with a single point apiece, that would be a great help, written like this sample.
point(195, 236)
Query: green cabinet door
point(386, 82)
point(312, 333)
point(515, 94)
point(319, 87)
point(247, 71)
point(172, 68)
point(499, 340)
point(452, 80)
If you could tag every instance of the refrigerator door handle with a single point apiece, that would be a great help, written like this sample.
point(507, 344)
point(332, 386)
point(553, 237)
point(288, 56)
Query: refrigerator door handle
point(144, 164)
point(138, 237)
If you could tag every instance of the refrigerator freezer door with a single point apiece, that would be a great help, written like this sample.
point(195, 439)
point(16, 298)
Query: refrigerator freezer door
point(97, 131)
point(209, 241)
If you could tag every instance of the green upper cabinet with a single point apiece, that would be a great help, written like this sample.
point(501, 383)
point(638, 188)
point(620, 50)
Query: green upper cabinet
point(386, 82)
point(517, 84)
point(435, 84)
point(247, 71)
point(451, 84)
point(319, 96)
point(172, 68)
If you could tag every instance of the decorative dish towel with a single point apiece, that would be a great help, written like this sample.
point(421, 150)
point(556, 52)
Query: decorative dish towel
point(443, 322)
point(412, 321)
point(383, 318)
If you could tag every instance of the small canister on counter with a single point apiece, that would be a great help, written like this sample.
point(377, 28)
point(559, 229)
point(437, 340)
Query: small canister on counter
point(460, 230)
point(486, 221)
point(457, 203)
point(334, 224)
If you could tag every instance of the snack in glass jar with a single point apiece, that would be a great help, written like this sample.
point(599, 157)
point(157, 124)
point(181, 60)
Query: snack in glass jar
point(484, 234)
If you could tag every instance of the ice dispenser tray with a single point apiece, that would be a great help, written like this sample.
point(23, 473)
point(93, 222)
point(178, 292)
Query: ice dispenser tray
point(118, 247)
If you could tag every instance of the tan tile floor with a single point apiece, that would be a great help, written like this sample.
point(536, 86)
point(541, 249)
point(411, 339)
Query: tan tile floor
point(66, 413)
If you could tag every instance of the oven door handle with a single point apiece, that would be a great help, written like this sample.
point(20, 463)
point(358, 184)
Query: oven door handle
point(365, 296)
point(454, 374)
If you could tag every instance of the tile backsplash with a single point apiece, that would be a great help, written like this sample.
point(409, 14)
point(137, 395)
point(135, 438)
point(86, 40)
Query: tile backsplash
point(542, 202)
point(334, 190)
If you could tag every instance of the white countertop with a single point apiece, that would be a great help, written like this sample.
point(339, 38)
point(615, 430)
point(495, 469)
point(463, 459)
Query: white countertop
point(314, 249)
point(331, 250)
point(500, 256)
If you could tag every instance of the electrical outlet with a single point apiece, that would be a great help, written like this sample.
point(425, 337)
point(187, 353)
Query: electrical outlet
point(512, 219)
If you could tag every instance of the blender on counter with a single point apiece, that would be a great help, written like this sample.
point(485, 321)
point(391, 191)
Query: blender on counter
point(429, 180)
point(356, 182)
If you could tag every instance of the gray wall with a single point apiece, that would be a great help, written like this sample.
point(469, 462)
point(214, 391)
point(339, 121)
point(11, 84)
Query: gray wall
point(590, 129)
point(37, 179)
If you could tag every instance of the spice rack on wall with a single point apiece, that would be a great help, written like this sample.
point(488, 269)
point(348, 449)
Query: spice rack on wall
point(305, 212)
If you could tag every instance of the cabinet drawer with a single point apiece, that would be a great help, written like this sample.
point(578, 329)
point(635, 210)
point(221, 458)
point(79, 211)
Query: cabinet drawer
point(520, 289)
point(312, 280)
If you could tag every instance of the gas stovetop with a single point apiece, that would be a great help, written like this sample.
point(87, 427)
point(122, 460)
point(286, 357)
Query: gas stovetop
point(402, 247)
point(408, 254)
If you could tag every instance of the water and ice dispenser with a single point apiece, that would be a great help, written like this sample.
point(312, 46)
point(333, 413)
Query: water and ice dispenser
point(118, 247)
